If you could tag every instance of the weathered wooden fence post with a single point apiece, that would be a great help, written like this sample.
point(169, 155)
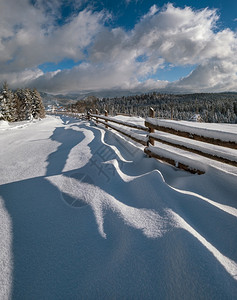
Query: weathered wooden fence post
point(151, 130)
point(96, 112)
point(106, 115)
point(88, 115)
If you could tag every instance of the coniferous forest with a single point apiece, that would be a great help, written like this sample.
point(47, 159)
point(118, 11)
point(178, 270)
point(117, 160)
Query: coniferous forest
point(212, 107)
point(23, 104)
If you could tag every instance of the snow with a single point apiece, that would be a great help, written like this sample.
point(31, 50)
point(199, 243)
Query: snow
point(222, 152)
point(195, 162)
point(134, 134)
point(192, 160)
point(4, 125)
point(85, 214)
point(222, 131)
point(123, 119)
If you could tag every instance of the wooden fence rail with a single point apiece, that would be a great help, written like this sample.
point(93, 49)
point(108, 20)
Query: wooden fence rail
point(132, 135)
point(111, 119)
point(199, 149)
point(206, 139)
point(166, 135)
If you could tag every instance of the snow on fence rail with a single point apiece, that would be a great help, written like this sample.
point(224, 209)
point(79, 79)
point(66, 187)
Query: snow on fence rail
point(132, 135)
point(199, 133)
point(179, 143)
point(182, 160)
point(218, 153)
point(128, 124)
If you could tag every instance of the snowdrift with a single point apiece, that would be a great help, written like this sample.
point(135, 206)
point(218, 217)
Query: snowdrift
point(85, 214)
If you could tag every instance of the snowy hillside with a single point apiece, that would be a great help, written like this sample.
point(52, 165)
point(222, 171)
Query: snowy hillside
point(85, 214)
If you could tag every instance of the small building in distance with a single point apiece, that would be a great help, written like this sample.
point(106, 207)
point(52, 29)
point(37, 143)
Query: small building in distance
point(196, 118)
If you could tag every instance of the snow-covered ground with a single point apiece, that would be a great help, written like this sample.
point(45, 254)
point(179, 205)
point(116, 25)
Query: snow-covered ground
point(84, 214)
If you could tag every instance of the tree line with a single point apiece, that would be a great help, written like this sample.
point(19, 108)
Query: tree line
point(212, 107)
point(23, 104)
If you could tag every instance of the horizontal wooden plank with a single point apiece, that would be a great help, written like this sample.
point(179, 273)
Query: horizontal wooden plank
point(196, 137)
point(131, 136)
point(196, 151)
point(120, 122)
point(173, 162)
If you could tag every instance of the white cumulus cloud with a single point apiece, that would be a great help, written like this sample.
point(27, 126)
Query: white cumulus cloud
point(113, 57)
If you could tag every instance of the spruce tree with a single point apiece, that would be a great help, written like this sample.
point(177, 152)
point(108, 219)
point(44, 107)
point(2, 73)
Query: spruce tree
point(17, 101)
point(28, 104)
point(38, 110)
point(24, 103)
point(7, 105)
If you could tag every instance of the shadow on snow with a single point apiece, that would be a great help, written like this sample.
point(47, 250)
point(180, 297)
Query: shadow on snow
point(58, 253)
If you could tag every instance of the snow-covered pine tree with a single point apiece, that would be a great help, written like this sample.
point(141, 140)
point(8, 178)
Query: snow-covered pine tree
point(18, 105)
point(2, 107)
point(7, 104)
point(28, 104)
point(24, 104)
point(1, 112)
point(38, 110)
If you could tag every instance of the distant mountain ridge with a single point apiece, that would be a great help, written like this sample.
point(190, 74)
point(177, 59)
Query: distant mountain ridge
point(72, 98)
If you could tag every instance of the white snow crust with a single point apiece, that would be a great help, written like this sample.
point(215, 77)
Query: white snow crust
point(85, 214)
point(4, 125)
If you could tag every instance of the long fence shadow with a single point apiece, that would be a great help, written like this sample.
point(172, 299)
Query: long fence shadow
point(68, 139)
point(44, 232)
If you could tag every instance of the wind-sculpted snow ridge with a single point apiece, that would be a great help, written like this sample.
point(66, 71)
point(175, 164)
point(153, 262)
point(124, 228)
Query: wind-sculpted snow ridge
point(117, 152)
point(149, 222)
point(84, 214)
point(228, 264)
point(126, 178)
point(80, 154)
point(228, 209)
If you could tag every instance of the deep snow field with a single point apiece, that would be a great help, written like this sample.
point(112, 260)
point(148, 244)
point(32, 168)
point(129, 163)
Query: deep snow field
point(85, 214)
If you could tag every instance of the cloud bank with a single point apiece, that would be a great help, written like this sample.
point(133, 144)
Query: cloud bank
point(110, 57)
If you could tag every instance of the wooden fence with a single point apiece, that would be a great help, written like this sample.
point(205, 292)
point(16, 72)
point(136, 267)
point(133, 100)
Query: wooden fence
point(176, 146)
point(162, 142)
point(132, 135)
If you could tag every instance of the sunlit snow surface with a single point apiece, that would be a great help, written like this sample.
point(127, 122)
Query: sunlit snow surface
point(84, 214)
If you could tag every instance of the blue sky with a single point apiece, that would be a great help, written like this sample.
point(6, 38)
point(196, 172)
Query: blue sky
point(79, 45)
